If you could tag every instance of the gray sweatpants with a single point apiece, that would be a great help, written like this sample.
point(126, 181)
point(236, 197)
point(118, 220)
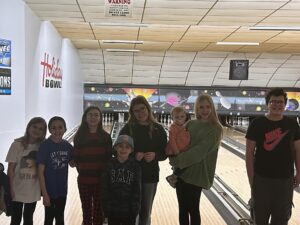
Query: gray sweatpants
point(272, 198)
point(148, 194)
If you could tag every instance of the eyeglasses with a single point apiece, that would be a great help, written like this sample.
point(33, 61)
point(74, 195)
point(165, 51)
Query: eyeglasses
point(141, 109)
point(93, 115)
point(278, 102)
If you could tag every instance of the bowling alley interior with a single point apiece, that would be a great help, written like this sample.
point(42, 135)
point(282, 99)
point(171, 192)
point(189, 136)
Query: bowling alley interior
point(59, 57)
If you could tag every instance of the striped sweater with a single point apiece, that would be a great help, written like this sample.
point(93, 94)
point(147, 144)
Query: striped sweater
point(91, 157)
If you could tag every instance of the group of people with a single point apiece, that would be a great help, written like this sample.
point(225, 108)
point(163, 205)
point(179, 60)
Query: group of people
point(119, 180)
point(39, 166)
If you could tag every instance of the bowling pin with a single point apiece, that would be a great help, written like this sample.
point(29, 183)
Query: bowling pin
point(224, 102)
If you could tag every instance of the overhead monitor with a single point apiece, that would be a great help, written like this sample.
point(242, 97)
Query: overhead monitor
point(238, 70)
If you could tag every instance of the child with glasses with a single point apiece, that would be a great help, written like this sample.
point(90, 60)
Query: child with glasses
point(272, 153)
point(150, 140)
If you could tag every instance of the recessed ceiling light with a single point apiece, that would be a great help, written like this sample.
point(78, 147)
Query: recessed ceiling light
point(121, 50)
point(122, 42)
point(236, 43)
point(275, 28)
point(122, 24)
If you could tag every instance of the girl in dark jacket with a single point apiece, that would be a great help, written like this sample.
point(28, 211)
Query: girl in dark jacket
point(150, 140)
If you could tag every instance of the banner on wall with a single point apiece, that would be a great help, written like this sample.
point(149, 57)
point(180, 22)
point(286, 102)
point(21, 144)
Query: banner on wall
point(51, 71)
point(121, 8)
point(5, 53)
point(5, 81)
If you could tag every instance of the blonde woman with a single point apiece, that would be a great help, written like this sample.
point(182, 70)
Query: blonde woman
point(198, 163)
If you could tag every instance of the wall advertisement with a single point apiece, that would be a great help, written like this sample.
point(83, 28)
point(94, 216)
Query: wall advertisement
point(5, 67)
point(162, 100)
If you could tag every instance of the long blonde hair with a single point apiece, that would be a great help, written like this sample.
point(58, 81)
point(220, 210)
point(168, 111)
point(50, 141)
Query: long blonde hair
point(213, 117)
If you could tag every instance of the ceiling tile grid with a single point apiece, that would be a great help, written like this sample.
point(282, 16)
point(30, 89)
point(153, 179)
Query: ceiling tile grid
point(180, 40)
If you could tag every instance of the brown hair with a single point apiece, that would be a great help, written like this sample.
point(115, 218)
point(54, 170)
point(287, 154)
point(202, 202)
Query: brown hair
point(276, 92)
point(132, 119)
point(25, 139)
point(83, 130)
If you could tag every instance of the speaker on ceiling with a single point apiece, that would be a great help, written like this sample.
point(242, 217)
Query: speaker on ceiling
point(238, 70)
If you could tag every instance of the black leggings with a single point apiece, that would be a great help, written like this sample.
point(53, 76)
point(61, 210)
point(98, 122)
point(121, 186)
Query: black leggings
point(188, 196)
point(121, 221)
point(55, 210)
point(17, 210)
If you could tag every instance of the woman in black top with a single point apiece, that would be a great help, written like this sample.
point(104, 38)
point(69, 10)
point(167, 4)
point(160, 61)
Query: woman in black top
point(150, 140)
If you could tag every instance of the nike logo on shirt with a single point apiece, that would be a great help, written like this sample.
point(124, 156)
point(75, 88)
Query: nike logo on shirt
point(273, 138)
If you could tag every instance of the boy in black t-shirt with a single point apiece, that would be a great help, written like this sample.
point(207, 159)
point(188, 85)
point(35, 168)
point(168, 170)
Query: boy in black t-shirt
point(272, 151)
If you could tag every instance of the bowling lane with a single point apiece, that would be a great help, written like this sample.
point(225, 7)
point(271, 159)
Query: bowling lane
point(234, 135)
point(232, 170)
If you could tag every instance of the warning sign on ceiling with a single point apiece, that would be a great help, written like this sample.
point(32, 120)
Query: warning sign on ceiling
point(118, 8)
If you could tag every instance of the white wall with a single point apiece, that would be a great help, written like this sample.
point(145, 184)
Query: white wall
point(31, 39)
point(32, 34)
point(72, 92)
point(48, 102)
point(12, 114)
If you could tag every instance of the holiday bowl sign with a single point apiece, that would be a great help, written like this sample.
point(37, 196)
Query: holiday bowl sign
point(51, 72)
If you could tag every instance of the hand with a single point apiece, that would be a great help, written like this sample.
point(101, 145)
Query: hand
point(171, 160)
point(139, 156)
point(185, 124)
point(250, 179)
point(46, 200)
point(176, 152)
point(149, 156)
point(72, 163)
point(296, 180)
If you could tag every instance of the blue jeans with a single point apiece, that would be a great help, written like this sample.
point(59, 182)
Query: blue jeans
point(272, 198)
point(148, 193)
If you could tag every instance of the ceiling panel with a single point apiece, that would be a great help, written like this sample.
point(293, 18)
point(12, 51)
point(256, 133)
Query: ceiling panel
point(149, 73)
point(180, 81)
point(281, 83)
point(179, 40)
point(145, 80)
point(199, 82)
